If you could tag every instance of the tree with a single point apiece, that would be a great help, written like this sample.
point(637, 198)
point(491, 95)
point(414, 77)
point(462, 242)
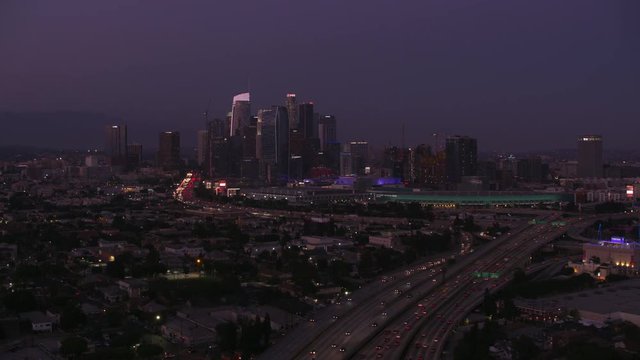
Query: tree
point(20, 301)
point(146, 351)
point(489, 304)
point(266, 329)
point(524, 348)
point(72, 317)
point(227, 336)
point(72, 347)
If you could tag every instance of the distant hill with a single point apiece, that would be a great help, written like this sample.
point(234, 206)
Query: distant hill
point(57, 130)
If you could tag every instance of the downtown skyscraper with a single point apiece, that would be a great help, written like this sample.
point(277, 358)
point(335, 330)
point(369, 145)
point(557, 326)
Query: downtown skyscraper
point(272, 142)
point(240, 113)
point(169, 150)
point(461, 157)
point(590, 156)
point(116, 147)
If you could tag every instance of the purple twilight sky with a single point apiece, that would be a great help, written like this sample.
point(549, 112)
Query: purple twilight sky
point(517, 75)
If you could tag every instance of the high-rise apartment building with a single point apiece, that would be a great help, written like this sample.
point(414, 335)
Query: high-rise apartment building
point(590, 156)
point(169, 150)
point(461, 157)
point(240, 113)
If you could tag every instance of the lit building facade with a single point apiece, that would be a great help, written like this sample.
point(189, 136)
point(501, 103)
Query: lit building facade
point(240, 113)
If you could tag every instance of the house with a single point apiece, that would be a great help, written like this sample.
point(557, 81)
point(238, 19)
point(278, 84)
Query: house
point(112, 293)
point(133, 287)
point(40, 322)
point(183, 331)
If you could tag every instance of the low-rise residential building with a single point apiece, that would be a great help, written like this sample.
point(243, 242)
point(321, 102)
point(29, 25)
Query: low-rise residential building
point(40, 322)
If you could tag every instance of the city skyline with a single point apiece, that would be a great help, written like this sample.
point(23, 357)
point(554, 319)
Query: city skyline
point(466, 75)
point(280, 179)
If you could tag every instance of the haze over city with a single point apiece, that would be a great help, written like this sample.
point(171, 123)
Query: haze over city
point(339, 180)
point(538, 73)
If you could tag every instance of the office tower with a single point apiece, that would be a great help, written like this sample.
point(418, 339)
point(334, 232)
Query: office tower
point(240, 113)
point(307, 121)
point(346, 163)
point(292, 111)
point(265, 136)
point(590, 156)
point(354, 157)
point(428, 167)
point(202, 147)
point(461, 157)
point(169, 150)
point(249, 139)
point(117, 145)
point(282, 139)
point(531, 170)
point(359, 156)
point(134, 155)
point(393, 162)
point(216, 163)
point(296, 150)
point(327, 131)
point(272, 149)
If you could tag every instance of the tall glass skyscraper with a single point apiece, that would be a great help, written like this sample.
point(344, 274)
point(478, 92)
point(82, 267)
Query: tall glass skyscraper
point(240, 113)
point(272, 149)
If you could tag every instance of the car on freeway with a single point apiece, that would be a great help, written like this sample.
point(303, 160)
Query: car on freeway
point(342, 349)
point(347, 333)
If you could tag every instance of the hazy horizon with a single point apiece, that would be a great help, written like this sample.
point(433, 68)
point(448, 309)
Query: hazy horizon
point(516, 76)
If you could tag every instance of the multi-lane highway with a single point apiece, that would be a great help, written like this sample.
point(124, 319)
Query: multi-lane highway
point(411, 313)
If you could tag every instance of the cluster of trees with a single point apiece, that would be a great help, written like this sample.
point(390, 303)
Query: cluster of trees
point(376, 260)
point(420, 244)
point(249, 336)
point(475, 343)
point(529, 289)
point(205, 288)
point(496, 229)
point(126, 264)
point(610, 207)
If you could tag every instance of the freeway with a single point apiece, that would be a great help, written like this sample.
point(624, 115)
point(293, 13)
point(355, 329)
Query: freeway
point(429, 334)
point(341, 331)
